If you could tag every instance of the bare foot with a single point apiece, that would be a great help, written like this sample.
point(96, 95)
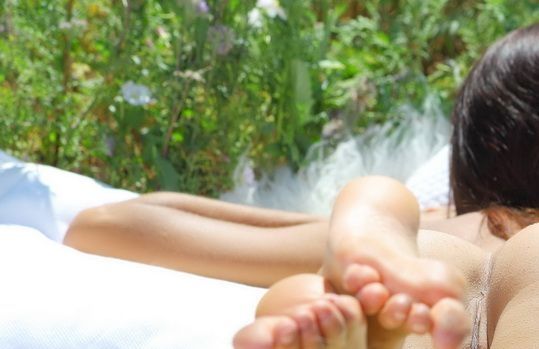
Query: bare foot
point(372, 254)
point(362, 261)
point(401, 293)
point(330, 322)
point(447, 322)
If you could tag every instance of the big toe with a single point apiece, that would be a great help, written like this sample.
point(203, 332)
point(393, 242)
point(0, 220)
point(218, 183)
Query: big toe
point(268, 333)
point(451, 324)
point(427, 281)
point(442, 281)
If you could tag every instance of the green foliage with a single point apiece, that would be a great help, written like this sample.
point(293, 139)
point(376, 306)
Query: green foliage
point(222, 86)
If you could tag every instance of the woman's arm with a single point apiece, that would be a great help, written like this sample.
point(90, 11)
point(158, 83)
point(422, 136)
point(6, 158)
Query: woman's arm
point(203, 236)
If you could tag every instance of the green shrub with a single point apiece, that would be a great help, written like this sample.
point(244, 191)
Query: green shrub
point(149, 95)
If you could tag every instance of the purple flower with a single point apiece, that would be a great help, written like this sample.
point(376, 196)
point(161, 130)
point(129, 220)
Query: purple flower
point(202, 7)
point(222, 39)
point(110, 145)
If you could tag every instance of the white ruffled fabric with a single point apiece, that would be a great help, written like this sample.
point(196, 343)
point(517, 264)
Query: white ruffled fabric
point(414, 152)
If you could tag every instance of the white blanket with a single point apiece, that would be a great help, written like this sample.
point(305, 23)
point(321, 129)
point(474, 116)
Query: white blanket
point(55, 297)
point(47, 198)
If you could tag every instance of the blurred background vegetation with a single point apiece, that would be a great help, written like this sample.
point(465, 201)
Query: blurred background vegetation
point(148, 95)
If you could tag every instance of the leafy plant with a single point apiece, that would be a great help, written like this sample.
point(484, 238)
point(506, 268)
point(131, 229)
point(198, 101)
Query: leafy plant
point(170, 94)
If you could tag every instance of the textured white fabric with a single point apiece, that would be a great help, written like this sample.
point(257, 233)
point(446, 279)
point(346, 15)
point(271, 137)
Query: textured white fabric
point(390, 150)
point(6, 158)
point(47, 198)
point(52, 296)
point(430, 182)
point(56, 297)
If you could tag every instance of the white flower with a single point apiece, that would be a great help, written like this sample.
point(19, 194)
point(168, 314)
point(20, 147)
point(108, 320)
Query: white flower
point(64, 25)
point(74, 23)
point(136, 94)
point(254, 18)
point(136, 60)
point(272, 8)
point(162, 33)
point(195, 75)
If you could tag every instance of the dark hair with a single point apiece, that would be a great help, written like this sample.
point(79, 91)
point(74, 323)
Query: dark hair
point(495, 140)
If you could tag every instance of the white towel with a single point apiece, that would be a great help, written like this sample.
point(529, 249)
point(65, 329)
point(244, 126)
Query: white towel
point(47, 198)
point(54, 297)
point(430, 182)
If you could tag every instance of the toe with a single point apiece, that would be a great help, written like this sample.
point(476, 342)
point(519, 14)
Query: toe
point(349, 308)
point(419, 321)
point(332, 323)
point(286, 335)
point(310, 335)
point(440, 281)
point(261, 333)
point(356, 323)
point(395, 312)
point(373, 297)
point(356, 276)
point(451, 324)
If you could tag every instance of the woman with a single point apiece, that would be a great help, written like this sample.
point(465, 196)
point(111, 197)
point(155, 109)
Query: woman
point(375, 255)
point(372, 236)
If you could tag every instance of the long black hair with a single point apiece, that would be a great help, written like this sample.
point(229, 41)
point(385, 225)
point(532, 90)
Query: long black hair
point(495, 140)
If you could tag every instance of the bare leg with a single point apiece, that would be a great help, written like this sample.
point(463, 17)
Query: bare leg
point(203, 241)
point(234, 213)
point(296, 313)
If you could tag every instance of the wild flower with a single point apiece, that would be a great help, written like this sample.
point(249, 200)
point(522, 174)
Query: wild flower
point(162, 33)
point(222, 39)
point(272, 8)
point(110, 145)
point(254, 18)
point(74, 23)
point(202, 7)
point(195, 75)
point(136, 94)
